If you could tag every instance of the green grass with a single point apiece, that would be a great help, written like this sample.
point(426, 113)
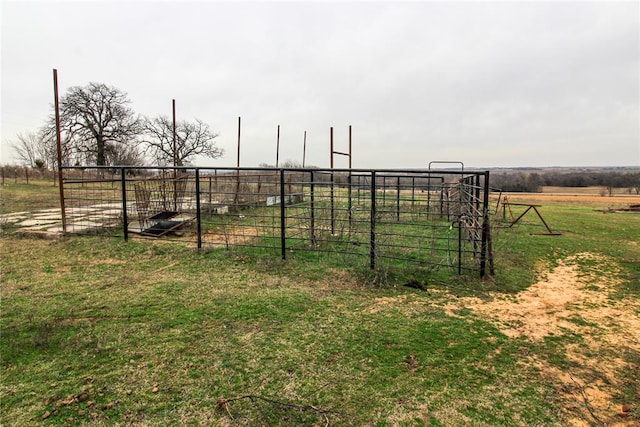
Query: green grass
point(22, 197)
point(158, 333)
point(97, 331)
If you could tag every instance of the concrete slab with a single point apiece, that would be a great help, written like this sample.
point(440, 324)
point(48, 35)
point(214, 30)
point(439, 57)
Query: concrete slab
point(111, 212)
point(108, 206)
point(84, 226)
point(80, 210)
point(36, 222)
point(47, 217)
point(12, 214)
point(12, 220)
point(54, 230)
point(74, 215)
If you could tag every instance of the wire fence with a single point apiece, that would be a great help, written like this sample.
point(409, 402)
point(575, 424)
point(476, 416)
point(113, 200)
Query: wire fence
point(432, 219)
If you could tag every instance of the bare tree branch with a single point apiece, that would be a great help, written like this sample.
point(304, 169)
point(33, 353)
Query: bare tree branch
point(223, 403)
point(192, 139)
point(36, 149)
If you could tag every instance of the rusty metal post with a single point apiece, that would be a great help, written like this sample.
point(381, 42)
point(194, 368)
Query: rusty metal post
point(278, 146)
point(238, 161)
point(331, 196)
point(235, 198)
point(175, 153)
point(59, 148)
point(304, 148)
point(331, 147)
point(349, 148)
point(175, 157)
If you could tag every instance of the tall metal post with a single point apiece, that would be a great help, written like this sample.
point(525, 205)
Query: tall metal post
point(238, 161)
point(198, 209)
point(459, 222)
point(349, 149)
point(331, 147)
point(125, 219)
point(398, 199)
point(175, 157)
point(63, 212)
point(235, 197)
point(331, 189)
point(283, 223)
point(372, 237)
point(175, 152)
point(485, 225)
point(278, 146)
point(428, 195)
point(313, 211)
point(304, 148)
point(349, 182)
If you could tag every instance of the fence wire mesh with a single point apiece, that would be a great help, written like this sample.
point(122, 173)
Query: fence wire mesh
point(433, 219)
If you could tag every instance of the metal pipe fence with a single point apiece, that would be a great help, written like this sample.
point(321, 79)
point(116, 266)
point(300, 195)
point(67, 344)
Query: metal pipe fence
point(433, 219)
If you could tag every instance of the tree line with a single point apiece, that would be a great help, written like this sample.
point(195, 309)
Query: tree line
point(534, 181)
point(98, 128)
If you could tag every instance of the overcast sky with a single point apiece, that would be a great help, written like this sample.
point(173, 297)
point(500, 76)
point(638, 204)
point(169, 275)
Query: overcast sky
point(491, 84)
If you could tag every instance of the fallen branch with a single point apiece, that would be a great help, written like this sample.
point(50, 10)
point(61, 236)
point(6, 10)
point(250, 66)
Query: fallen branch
point(168, 266)
point(222, 403)
point(586, 400)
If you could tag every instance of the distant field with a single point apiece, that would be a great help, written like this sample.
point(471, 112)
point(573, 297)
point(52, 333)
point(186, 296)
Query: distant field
point(591, 191)
point(587, 196)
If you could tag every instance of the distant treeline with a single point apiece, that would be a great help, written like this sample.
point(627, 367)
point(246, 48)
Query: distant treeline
point(534, 181)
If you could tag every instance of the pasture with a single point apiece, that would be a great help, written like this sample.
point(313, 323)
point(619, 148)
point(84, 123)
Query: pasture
point(98, 331)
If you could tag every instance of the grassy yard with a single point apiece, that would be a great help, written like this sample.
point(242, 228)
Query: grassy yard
point(96, 331)
point(38, 194)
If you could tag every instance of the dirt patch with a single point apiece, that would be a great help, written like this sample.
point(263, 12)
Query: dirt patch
point(551, 306)
point(575, 298)
point(231, 236)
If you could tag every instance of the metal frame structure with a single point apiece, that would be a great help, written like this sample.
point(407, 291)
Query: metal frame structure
point(433, 219)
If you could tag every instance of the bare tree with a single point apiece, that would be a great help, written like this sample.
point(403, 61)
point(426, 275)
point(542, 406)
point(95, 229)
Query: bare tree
point(192, 139)
point(129, 155)
point(94, 121)
point(34, 149)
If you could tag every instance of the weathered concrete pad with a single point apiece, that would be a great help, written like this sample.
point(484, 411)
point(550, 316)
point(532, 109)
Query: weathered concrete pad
point(12, 219)
point(30, 223)
point(47, 217)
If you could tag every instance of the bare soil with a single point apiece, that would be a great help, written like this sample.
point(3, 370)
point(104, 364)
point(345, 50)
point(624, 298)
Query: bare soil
point(231, 236)
point(570, 300)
